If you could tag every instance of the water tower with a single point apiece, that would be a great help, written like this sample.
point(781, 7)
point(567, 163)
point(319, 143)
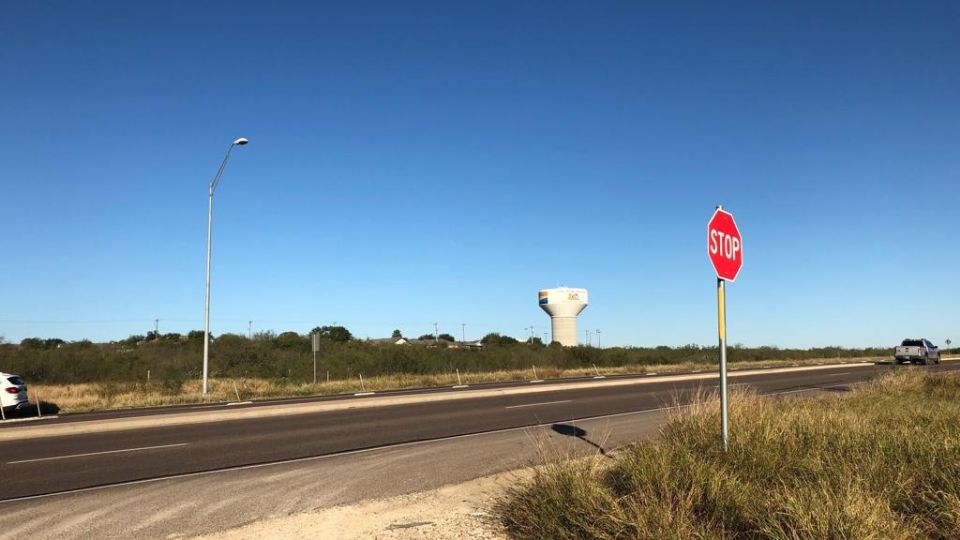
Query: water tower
point(563, 304)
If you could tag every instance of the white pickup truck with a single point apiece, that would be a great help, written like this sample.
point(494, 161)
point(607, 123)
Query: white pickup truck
point(917, 351)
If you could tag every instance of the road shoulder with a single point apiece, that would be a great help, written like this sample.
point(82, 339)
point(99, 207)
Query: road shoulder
point(456, 511)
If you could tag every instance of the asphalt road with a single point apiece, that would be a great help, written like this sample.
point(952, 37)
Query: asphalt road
point(57, 464)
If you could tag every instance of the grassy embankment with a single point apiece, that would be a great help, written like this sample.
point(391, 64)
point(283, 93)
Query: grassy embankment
point(879, 462)
point(83, 397)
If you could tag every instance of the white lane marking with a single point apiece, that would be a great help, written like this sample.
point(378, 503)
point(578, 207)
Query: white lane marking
point(537, 404)
point(353, 452)
point(796, 391)
point(232, 403)
point(97, 453)
point(834, 387)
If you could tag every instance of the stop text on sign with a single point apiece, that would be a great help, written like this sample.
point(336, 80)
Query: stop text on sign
point(724, 245)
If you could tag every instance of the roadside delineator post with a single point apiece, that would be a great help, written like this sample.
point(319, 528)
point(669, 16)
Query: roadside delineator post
point(725, 250)
point(597, 371)
point(536, 379)
point(460, 381)
point(315, 342)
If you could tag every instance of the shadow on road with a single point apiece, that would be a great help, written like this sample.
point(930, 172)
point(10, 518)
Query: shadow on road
point(573, 431)
point(30, 411)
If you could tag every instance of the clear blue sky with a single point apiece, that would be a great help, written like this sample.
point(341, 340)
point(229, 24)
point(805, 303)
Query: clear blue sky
point(415, 162)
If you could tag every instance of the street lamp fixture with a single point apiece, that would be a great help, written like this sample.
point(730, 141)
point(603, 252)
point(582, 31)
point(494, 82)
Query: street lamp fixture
point(206, 304)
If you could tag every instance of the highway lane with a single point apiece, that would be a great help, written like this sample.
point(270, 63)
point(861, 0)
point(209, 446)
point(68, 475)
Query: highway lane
point(33, 467)
point(185, 408)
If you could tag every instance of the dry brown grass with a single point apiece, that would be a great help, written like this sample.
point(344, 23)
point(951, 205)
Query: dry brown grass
point(880, 462)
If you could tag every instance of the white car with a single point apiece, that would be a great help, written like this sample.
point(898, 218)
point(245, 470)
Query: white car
point(13, 391)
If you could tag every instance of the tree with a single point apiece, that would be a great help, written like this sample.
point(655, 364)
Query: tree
point(195, 335)
point(446, 337)
point(172, 336)
point(137, 338)
point(31, 343)
point(426, 337)
point(396, 334)
point(494, 338)
point(288, 340)
point(333, 333)
point(264, 335)
point(83, 344)
point(53, 343)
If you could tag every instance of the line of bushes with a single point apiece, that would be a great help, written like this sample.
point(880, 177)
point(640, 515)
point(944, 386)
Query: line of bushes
point(289, 356)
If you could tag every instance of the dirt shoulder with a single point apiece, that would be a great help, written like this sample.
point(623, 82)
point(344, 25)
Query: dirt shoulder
point(455, 511)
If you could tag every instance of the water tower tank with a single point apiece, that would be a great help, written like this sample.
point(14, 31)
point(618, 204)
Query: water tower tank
point(563, 304)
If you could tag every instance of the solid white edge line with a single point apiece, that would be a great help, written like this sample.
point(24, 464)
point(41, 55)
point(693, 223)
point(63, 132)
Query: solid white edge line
point(354, 452)
point(535, 404)
point(97, 453)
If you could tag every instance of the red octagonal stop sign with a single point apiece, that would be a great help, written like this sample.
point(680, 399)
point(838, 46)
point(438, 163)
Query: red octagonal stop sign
point(724, 245)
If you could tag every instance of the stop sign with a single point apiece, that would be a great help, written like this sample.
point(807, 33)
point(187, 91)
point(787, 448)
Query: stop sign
point(724, 245)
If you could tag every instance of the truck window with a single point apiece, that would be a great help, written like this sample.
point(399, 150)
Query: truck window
point(911, 343)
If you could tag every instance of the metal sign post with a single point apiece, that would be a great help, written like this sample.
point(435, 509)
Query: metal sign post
point(722, 327)
point(725, 250)
point(316, 347)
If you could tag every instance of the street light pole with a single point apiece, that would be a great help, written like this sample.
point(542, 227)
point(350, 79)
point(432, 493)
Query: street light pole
point(206, 303)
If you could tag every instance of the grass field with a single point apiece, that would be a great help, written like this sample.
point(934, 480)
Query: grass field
point(125, 394)
point(879, 462)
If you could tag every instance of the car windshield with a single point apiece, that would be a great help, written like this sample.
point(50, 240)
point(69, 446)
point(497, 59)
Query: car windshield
point(15, 380)
point(912, 343)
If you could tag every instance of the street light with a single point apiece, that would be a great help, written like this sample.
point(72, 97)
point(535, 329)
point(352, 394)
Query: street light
point(206, 304)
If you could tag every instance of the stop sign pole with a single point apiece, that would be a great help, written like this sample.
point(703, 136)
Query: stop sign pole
point(725, 250)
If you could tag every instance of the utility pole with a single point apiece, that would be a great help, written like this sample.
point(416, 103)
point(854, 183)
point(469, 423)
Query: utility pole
point(436, 332)
point(156, 328)
point(598, 340)
point(249, 329)
point(463, 332)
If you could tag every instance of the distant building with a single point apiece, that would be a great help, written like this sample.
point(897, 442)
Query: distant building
point(390, 341)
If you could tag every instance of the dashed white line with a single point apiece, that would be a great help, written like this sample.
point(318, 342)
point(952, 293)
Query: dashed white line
point(537, 404)
point(97, 453)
